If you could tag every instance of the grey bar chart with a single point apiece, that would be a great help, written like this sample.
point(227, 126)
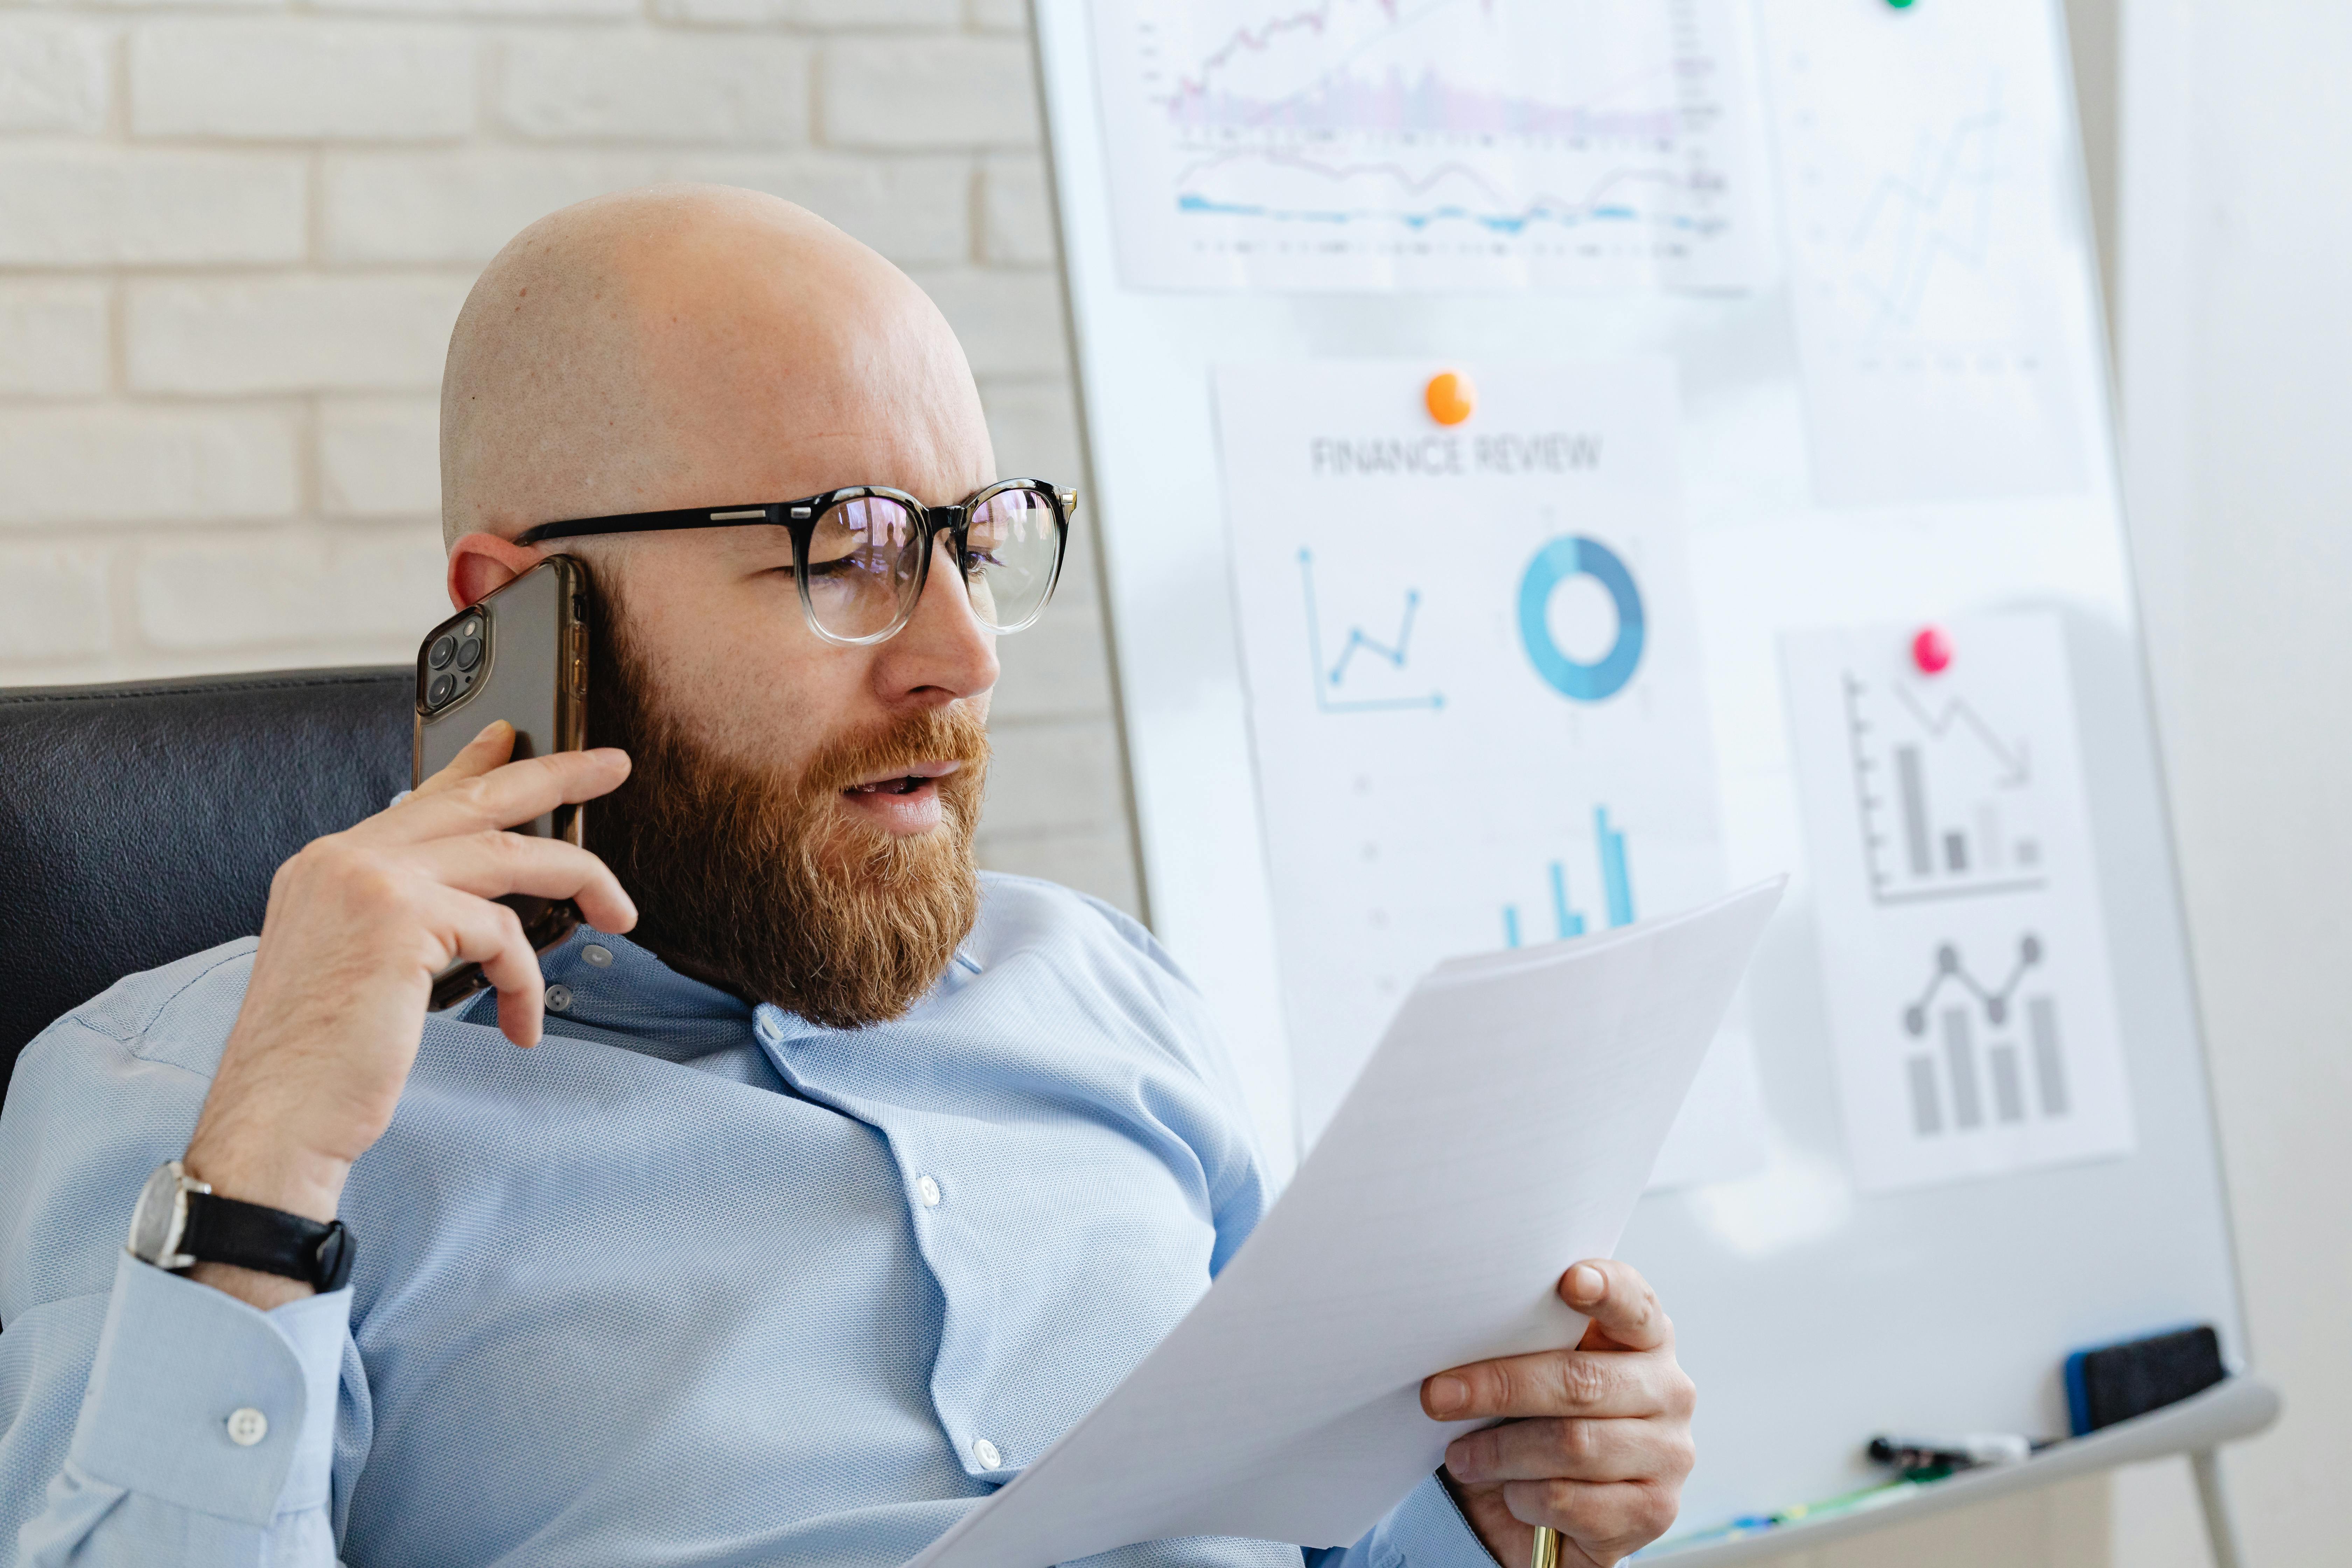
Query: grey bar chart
point(1977, 1078)
point(2049, 1067)
point(1945, 798)
point(1960, 1058)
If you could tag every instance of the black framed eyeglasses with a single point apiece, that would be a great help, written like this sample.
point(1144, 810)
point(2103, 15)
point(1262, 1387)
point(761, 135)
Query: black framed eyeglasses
point(862, 554)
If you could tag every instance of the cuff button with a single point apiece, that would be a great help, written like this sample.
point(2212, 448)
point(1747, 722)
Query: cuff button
point(246, 1427)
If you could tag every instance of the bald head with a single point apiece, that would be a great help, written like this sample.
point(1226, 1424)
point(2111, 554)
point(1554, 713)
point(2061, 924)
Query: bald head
point(696, 346)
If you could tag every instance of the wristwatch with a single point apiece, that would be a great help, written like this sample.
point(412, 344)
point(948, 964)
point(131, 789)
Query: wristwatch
point(180, 1223)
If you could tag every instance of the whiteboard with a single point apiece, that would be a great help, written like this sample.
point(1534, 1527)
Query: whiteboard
point(1829, 487)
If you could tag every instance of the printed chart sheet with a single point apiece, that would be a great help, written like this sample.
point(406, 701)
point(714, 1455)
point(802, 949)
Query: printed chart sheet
point(1356, 144)
point(1475, 688)
point(1930, 179)
point(1962, 945)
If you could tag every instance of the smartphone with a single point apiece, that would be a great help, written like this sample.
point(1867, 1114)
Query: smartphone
point(521, 655)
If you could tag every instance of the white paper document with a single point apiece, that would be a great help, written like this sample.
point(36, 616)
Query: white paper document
point(1963, 951)
point(1502, 1130)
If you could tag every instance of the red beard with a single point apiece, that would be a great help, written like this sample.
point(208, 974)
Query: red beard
point(765, 885)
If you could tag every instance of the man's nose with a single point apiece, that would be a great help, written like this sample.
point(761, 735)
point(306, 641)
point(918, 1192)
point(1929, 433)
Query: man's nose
point(945, 651)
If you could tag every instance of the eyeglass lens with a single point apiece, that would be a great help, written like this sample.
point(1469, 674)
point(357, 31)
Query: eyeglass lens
point(1010, 555)
point(865, 562)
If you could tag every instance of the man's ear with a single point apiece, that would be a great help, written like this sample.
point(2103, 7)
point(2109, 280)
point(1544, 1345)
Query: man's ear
point(482, 563)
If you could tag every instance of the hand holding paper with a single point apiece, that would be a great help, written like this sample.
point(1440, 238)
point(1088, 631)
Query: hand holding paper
point(1505, 1126)
point(1596, 1440)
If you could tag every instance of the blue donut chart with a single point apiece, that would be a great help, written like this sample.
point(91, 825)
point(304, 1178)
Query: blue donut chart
point(1574, 556)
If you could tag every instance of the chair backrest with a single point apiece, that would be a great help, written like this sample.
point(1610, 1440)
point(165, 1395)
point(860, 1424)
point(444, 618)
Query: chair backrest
point(141, 823)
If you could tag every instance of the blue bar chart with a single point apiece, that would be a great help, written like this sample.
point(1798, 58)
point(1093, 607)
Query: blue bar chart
point(1616, 889)
point(1616, 883)
point(1568, 922)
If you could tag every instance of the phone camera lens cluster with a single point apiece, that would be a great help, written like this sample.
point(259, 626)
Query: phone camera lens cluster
point(453, 660)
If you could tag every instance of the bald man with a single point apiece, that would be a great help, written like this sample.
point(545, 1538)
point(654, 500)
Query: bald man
point(824, 1200)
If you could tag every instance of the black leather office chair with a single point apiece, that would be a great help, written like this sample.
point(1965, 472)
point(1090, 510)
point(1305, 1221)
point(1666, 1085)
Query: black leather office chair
point(141, 823)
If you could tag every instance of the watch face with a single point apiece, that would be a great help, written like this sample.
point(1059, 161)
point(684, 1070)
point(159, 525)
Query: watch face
point(151, 1223)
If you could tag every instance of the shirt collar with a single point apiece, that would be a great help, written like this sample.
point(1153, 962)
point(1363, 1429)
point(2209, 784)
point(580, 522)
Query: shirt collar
point(619, 993)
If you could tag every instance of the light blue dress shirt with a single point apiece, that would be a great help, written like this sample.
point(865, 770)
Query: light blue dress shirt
point(690, 1282)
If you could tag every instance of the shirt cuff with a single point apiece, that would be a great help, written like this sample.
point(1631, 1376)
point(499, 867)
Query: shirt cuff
point(1428, 1530)
point(199, 1400)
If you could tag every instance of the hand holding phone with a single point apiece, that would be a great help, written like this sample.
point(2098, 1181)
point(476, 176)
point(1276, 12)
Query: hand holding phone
point(360, 923)
point(520, 654)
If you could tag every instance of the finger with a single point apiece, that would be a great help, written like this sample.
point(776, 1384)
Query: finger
point(1547, 1382)
point(1606, 1519)
point(495, 863)
point(1572, 1448)
point(1620, 1303)
point(474, 930)
point(506, 795)
point(486, 751)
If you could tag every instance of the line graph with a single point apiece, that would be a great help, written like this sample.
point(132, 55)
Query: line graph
point(2014, 757)
point(1331, 677)
point(1944, 799)
point(1363, 142)
point(1993, 999)
point(1941, 210)
point(1934, 245)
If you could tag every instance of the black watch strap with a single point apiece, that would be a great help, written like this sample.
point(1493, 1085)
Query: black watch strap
point(269, 1241)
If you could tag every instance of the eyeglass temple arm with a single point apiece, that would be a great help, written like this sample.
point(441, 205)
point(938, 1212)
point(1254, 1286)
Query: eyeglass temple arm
point(660, 521)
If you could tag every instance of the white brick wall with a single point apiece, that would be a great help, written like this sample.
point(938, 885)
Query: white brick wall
point(53, 339)
point(607, 86)
point(234, 233)
point(300, 79)
point(89, 204)
point(52, 76)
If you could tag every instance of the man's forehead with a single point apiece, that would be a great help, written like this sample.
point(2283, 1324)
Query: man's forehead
point(698, 347)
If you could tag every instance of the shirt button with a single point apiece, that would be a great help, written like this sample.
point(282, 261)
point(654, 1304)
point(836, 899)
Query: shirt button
point(248, 1426)
point(560, 998)
point(601, 957)
point(929, 1191)
point(985, 1452)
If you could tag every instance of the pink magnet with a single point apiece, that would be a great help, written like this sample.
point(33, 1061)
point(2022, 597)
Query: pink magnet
point(1931, 650)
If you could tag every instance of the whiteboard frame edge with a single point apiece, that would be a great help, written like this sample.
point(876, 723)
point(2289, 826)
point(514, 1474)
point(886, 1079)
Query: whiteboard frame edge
point(2146, 342)
point(2237, 1408)
point(1092, 493)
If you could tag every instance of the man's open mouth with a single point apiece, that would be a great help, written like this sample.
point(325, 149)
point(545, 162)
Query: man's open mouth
point(905, 781)
point(905, 785)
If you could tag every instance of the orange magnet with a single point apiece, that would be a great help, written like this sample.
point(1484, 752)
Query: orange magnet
point(1450, 398)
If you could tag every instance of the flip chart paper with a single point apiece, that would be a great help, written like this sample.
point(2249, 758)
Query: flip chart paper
point(1503, 1130)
